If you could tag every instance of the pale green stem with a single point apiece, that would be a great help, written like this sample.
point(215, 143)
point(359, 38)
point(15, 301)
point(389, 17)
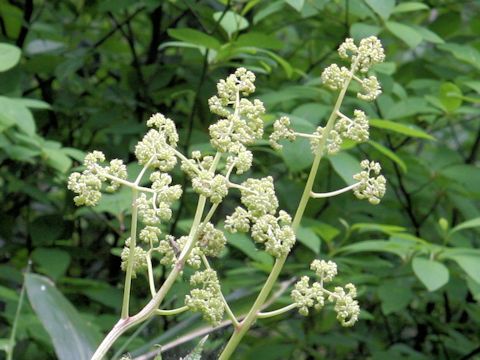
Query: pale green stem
point(267, 287)
point(124, 324)
point(229, 311)
point(129, 184)
point(264, 315)
point(333, 193)
point(171, 312)
point(11, 341)
point(184, 158)
point(151, 282)
point(131, 256)
point(310, 136)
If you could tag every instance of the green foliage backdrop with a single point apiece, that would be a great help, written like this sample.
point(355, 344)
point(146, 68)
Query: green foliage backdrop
point(79, 75)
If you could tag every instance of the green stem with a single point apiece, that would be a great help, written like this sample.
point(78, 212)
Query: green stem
point(172, 312)
point(11, 341)
point(264, 315)
point(131, 256)
point(126, 323)
point(272, 278)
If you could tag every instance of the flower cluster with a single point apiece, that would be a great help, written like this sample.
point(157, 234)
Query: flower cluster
point(275, 232)
point(88, 184)
point(306, 296)
point(367, 54)
point(206, 297)
point(333, 143)
point(210, 242)
point(370, 187)
point(281, 130)
point(139, 258)
point(355, 129)
point(241, 124)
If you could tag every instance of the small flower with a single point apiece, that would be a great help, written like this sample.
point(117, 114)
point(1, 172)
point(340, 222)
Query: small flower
point(258, 195)
point(281, 130)
point(242, 160)
point(154, 146)
point(333, 144)
point(139, 258)
point(370, 52)
point(211, 241)
point(335, 77)
point(166, 126)
point(150, 234)
point(305, 296)
point(206, 297)
point(356, 129)
point(211, 186)
point(346, 306)
point(371, 89)
point(118, 169)
point(370, 187)
point(238, 221)
point(325, 270)
point(278, 239)
point(347, 49)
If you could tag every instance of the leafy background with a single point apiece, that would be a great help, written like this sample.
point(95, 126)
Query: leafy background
point(78, 75)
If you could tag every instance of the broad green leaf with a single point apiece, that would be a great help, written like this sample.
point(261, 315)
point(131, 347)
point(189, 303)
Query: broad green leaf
point(404, 129)
point(195, 37)
point(246, 245)
point(409, 6)
point(116, 203)
point(307, 237)
point(4, 345)
point(431, 273)
point(450, 96)
point(57, 159)
point(394, 296)
point(474, 288)
point(406, 33)
point(360, 30)
point(346, 166)
point(259, 40)
point(408, 107)
point(469, 263)
point(72, 338)
point(429, 35)
point(297, 154)
point(462, 52)
point(9, 56)
point(231, 22)
point(387, 229)
point(53, 262)
point(396, 248)
point(390, 154)
point(33, 103)
point(296, 4)
point(469, 224)
point(18, 114)
point(384, 8)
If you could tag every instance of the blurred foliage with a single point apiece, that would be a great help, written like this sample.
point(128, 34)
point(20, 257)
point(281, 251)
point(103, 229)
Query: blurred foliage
point(78, 75)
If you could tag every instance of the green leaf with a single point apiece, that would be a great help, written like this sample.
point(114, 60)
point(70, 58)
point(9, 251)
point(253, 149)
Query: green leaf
point(472, 223)
point(195, 37)
point(5, 345)
point(16, 113)
point(360, 30)
point(307, 237)
point(462, 52)
point(345, 165)
point(394, 296)
point(450, 96)
point(409, 107)
point(410, 6)
point(429, 35)
point(469, 263)
point(390, 154)
point(431, 273)
point(406, 33)
point(9, 56)
point(404, 129)
point(196, 353)
point(397, 248)
point(72, 338)
point(33, 103)
point(384, 8)
point(52, 262)
point(231, 22)
point(297, 154)
point(243, 243)
point(259, 40)
point(57, 159)
point(296, 4)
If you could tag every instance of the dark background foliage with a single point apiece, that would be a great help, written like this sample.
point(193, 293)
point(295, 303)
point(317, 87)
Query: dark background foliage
point(91, 72)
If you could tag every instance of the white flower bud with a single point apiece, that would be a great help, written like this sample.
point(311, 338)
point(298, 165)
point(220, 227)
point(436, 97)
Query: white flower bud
point(370, 187)
point(281, 130)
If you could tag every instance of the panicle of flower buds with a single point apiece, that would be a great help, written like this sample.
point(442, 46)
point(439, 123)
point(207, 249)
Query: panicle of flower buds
point(371, 89)
point(206, 296)
point(258, 195)
point(154, 148)
point(211, 241)
point(334, 141)
point(165, 126)
point(150, 234)
point(281, 130)
point(239, 221)
point(334, 77)
point(210, 185)
point(370, 187)
point(88, 184)
point(278, 237)
point(356, 129)
point(139, 258)
point(367, 54)
point(305, 296)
